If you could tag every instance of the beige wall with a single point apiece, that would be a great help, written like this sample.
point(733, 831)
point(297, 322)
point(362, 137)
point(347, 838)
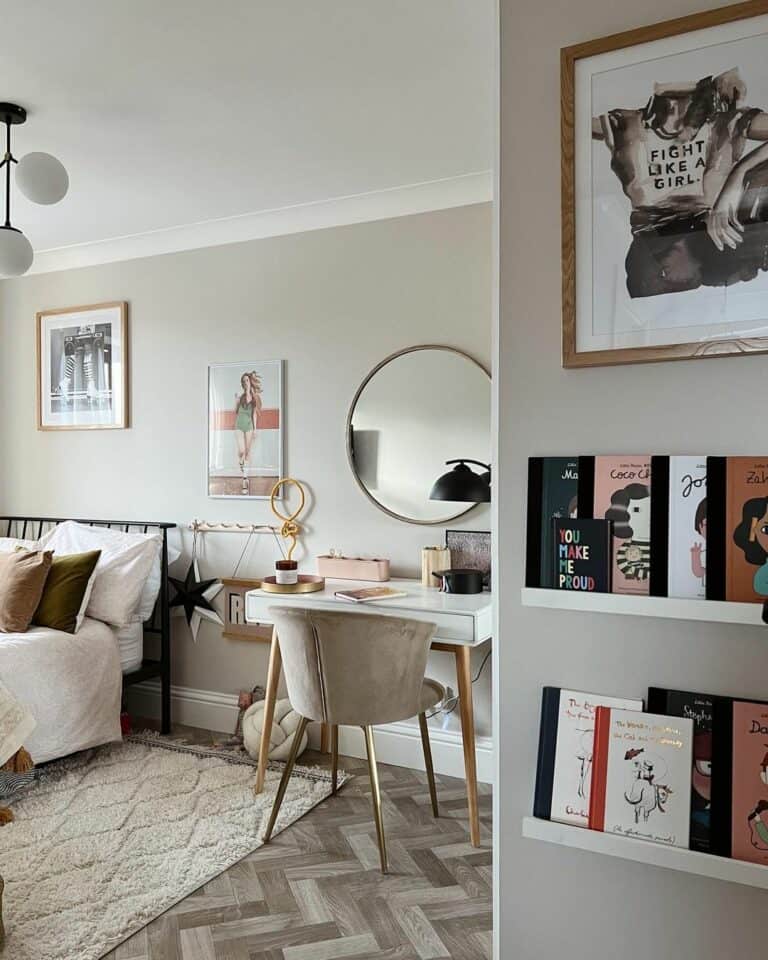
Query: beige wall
point(332, 303)
point(556, 902)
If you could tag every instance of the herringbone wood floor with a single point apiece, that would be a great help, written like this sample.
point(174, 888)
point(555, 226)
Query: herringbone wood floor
point(316, 893)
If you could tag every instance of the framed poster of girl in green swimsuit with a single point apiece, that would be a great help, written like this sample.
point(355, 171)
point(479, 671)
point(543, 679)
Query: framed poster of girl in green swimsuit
point(245, 428)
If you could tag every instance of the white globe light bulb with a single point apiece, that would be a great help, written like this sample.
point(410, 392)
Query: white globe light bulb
point(42, 178)
point(16, 254)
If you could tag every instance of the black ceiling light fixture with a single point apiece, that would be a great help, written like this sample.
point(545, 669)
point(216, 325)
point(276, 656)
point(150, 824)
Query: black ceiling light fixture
point(463, 485)
point(40, 177)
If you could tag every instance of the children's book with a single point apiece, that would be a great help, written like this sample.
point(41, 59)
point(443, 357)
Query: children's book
point(369, 594)
point(700, 708)
point(746, 529)
point(622, 494)
point(566, 740)
point(641, 776)
point(582, 558)
point(687, 544)
point(552, 492)
point(741, 781)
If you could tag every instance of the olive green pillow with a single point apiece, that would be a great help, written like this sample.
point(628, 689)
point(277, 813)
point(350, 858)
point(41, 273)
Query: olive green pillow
point(66, 588)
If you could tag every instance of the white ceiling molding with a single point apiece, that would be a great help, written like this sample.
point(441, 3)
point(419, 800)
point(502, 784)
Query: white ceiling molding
point(339, 211)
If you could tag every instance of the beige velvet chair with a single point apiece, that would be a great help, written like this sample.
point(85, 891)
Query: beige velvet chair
point(360, 670)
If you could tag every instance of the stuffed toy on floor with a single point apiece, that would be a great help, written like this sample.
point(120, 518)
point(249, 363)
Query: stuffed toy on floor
point(20, 762)
point(284, 726)
point(16, 766)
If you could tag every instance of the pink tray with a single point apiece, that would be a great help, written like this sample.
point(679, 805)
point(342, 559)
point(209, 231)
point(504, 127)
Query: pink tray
point(353, 568)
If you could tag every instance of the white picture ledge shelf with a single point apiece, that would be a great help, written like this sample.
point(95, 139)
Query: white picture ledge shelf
point(714, 611)
point(641, 851)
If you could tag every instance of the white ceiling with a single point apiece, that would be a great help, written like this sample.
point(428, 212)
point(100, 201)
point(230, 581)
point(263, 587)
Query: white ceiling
point(171, 112)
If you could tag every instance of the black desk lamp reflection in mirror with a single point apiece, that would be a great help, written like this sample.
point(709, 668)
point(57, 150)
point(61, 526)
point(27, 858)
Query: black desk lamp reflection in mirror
point(462, 484)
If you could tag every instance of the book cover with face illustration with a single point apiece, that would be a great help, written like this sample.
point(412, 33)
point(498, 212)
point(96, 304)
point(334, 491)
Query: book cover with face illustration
point(749, 813)
point(746, 529)
point(687, 559)
point(700, 708)
point(573, 753)
point(560, 478)
point(641, 776)
point(623, 496)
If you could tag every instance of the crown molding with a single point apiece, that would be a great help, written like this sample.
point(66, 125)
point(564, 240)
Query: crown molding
point(319, 215)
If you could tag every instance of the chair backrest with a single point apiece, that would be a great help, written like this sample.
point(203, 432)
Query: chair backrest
point(352, 668)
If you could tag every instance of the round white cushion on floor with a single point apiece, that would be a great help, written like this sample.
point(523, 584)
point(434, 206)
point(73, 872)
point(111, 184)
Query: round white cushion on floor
point(284, 726)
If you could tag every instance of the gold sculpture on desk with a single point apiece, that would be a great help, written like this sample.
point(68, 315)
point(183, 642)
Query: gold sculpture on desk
point(290, 529)
point(292, 582)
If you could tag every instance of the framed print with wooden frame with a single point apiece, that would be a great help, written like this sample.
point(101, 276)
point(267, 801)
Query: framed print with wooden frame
point(236, 627)
point(82, 367)
point(665, 190)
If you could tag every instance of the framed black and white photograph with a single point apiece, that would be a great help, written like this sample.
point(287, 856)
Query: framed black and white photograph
point(245, 428)
point(82, 367)
point(665, 191)
point(470, 550)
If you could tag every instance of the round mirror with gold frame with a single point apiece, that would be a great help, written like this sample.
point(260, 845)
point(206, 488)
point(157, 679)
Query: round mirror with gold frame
point(417, 410)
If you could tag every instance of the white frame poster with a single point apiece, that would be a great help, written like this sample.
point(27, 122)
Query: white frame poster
point(245, 429)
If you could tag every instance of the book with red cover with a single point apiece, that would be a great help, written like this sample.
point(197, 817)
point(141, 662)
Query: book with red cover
point(641, 776)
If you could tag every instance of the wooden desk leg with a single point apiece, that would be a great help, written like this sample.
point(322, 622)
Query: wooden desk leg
point(273, 679)
point(467, 712)
point(325, 738)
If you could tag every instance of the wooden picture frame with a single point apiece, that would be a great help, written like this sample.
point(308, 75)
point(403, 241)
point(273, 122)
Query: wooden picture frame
point(621, 55)
point(235, 625)
point(82, 361)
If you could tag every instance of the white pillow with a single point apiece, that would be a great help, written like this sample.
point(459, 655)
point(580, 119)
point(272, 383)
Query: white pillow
point(122, 572)
point(152, 587)
point(9, 544)
point(130, 639)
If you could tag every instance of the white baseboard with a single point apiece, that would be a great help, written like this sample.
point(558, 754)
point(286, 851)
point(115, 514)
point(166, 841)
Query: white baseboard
point(396, 743)
point(194, 708)
point(400, 744)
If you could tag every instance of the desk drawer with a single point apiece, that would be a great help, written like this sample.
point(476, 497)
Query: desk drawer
point(451, 627)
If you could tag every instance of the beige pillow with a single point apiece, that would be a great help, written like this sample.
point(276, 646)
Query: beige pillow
point(22, 579)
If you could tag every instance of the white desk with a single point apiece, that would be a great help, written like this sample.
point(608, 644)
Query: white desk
point(463, 621)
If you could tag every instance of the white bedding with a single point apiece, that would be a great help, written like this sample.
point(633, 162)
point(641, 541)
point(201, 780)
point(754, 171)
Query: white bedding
point(70, 682)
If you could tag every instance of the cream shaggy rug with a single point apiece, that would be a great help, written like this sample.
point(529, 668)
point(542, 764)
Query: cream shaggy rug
point(113, 837)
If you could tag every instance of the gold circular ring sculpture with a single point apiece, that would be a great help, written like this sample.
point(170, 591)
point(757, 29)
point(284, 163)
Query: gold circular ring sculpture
point(290, 530)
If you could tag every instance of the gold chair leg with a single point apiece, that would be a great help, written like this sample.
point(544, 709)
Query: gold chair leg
point(376, 795)
point(334, 758)
point(428, 762)
point(286, 777)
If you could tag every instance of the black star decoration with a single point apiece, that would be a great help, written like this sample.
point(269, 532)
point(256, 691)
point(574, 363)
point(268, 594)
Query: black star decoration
point(193, 598)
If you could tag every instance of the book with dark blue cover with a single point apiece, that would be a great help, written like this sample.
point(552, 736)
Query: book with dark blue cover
point(581, 557)
point(552, 492)
point(545, 764)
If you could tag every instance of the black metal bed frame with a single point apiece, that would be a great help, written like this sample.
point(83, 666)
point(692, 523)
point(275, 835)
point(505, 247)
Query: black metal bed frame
point(160, 621)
